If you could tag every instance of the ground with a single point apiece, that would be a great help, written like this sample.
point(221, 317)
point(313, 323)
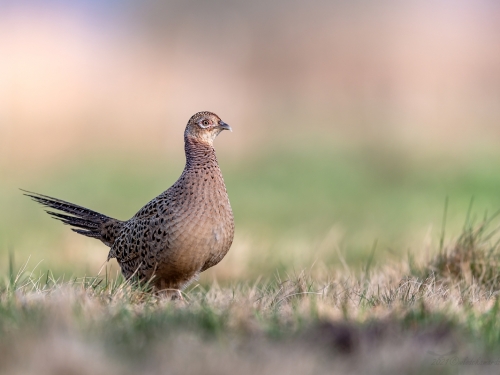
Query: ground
point(416, 316)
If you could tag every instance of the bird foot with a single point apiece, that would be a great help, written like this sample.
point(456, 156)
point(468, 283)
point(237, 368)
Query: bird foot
point(172, 294)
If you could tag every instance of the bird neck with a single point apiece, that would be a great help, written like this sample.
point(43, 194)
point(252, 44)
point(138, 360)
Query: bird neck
point(199, 154)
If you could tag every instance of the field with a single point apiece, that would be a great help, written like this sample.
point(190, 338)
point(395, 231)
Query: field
point(363, 172)
point(438, 316)
point(345, 261)
point(293, 206)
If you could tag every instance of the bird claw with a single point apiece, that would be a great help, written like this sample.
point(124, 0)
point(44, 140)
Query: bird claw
point(172, 294)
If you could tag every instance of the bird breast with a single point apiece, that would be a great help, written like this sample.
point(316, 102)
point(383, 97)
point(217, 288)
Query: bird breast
point(202, 219)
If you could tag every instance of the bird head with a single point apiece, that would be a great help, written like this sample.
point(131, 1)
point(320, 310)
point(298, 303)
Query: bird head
point(205, 127)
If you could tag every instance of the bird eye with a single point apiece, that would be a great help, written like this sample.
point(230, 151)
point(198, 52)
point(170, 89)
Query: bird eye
point(206, 122)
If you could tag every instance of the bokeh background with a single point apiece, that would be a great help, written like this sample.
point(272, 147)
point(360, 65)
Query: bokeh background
point(354, 122)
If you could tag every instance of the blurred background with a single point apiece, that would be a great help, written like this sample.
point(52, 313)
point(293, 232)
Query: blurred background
point(353, 122)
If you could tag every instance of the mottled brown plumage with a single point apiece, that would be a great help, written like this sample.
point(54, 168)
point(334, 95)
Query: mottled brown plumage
point(182, 232)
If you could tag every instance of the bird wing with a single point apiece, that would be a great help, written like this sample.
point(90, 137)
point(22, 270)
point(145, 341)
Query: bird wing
point(140, 237)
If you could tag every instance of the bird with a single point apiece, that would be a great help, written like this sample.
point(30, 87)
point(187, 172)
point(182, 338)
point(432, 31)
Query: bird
point(177, 235)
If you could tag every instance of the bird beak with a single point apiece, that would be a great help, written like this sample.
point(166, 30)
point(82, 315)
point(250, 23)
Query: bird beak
point(224, 126)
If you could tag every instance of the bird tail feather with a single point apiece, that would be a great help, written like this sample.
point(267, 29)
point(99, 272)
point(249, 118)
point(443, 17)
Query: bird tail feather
point(86, 222)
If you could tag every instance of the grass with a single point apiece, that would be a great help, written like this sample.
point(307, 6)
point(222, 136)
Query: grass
point(285, 201)
point(436, 315)
point(334, 270)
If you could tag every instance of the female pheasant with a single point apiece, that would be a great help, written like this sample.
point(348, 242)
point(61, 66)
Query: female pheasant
point(180, 233)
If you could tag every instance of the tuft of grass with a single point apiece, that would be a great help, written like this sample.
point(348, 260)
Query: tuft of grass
point(473, 258)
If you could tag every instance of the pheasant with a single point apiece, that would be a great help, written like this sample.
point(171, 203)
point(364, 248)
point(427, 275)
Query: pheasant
point(177, 235)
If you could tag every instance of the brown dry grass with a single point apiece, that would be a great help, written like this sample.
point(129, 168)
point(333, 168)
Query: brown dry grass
point(388, 319)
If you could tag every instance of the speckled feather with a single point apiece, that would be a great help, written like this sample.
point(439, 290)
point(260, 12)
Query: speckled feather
point(182, 232)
